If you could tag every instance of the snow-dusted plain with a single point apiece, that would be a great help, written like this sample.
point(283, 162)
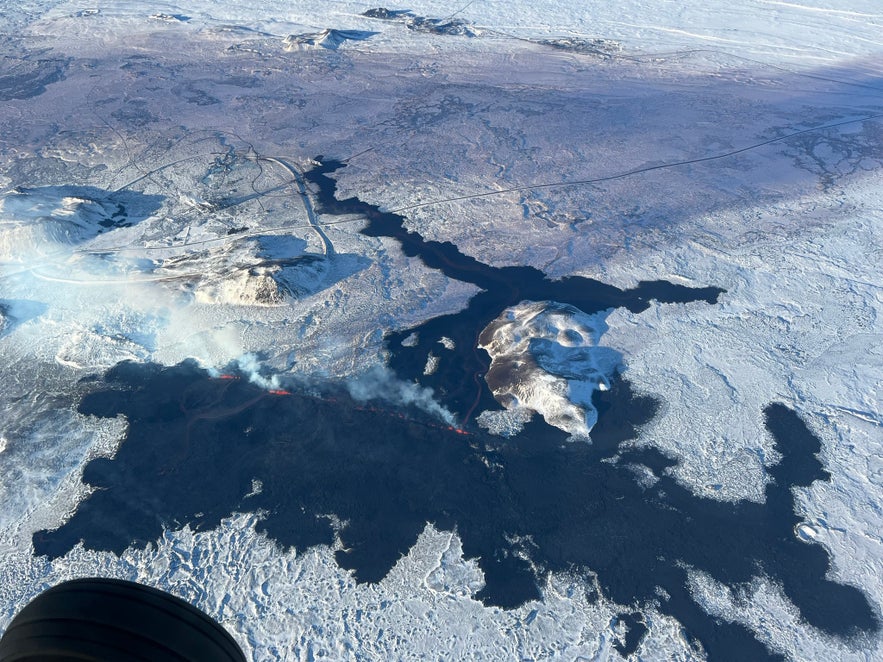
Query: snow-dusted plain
point(153, 208)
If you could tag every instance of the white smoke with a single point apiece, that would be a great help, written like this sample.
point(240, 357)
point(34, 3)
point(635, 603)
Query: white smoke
point(380, 383)
point(91, 301)
point(250, 366)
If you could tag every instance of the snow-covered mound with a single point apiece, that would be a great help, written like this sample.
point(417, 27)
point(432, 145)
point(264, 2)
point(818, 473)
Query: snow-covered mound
point(99, 348)
point(37, 222)
point(243, 287)
point(328, 39)
point(253, 276)
point(442, 26)
point(545, 358)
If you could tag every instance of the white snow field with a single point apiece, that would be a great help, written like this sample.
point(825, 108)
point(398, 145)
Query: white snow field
point(153, 208)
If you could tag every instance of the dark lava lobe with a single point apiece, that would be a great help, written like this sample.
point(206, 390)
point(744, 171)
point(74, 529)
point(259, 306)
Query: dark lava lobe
point(195, 444)
point(459, 376)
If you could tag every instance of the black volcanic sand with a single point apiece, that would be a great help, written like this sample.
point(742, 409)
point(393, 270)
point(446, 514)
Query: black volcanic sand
point(195, 443)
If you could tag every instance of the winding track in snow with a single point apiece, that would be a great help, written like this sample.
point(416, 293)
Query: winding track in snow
point(638, 171)
point(305, 198)
point(317, 226)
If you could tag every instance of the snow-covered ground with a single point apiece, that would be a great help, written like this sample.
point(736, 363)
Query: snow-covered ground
point(151, 209)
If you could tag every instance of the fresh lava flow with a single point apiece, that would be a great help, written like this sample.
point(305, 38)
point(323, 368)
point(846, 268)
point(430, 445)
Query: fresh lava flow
point(195, 444)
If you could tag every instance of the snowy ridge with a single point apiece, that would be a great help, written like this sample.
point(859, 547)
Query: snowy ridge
point(93, 277)
point(545, 359)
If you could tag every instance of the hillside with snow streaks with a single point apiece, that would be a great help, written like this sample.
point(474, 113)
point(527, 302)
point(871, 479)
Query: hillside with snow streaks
point(545, 359)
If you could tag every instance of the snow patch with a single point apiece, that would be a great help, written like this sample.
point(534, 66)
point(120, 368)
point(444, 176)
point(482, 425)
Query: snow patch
point(91, 349)
point(763, 607)
point(431, 366)
point(453, 575)
point(299, 604)
point(505, 423)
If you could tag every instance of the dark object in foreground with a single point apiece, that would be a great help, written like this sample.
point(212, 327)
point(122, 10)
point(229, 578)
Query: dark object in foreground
point(111, 619)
